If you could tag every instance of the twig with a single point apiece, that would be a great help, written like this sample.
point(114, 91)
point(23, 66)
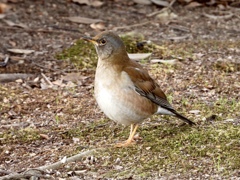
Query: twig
point(76, 157)
point(12, 77)
point(39, 171)
point(46, 79)
point(227, 16)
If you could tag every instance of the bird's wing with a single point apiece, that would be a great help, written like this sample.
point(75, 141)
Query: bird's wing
point(146, 86)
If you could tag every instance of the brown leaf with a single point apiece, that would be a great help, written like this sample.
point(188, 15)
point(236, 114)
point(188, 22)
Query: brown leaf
point(44, 136)
point(193, 5)
point(144, 2)
point(83, 20)
point(95, 3)
point(98, 26)
point(161, 2)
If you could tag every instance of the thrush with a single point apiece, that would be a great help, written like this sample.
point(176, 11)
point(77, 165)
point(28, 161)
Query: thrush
point(123, 89)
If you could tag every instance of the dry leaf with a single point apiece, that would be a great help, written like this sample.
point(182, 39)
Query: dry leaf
point(21, 25)
point(95, 3)
point(83, 20)
point(44, 136)
point(171, 61)
point(193, 5)
point(139, 56)
point(161, 3)
point(194, 111)
point(144, 2)
point(21, 51)
point(98, 26)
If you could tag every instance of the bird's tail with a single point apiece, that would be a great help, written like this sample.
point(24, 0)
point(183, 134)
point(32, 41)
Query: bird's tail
point(183, 118)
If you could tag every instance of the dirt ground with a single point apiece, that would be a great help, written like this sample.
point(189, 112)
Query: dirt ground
point(41, 123)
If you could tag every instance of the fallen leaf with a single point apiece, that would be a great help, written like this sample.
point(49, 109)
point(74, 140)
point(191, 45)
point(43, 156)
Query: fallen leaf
point(83, 20)
point(194, 111)
point(21, 51)
point(144, 2)
point(98, 26)
point(95, 3)
point(161, 2)
point(193, 5)
point(170, 61)
point(139, 56)
point(21, 25)
point(44, 136)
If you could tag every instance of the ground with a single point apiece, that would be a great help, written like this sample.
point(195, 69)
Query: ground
point(53, 114)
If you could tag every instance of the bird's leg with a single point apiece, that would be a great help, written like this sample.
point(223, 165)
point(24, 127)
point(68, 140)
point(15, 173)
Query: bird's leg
point(130, 138)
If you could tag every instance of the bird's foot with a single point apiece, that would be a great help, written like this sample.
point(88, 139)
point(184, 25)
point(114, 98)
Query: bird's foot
point(125, 144)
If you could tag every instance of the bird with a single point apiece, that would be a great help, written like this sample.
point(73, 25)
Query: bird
point(123, 89)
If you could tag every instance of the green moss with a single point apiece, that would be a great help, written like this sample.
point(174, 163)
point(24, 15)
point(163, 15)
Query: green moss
point(82, 54)
point(20, 136)
point(137, 44)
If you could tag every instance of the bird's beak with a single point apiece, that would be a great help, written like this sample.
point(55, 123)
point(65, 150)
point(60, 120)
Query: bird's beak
point(90, 39)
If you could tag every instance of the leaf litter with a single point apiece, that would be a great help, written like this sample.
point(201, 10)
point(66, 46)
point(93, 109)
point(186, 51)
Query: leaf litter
point(41, 127)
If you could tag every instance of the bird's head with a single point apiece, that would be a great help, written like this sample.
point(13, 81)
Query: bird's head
point(109, 46)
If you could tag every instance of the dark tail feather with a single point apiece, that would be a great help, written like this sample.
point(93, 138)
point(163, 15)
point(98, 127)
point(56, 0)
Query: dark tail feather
point(183, 118)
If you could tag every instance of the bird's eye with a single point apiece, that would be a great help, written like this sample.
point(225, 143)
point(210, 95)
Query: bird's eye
point(102, 42)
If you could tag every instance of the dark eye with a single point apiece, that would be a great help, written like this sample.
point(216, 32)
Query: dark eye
point(102, 42)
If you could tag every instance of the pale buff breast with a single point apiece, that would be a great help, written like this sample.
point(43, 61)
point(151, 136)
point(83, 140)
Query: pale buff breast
point(117, 98)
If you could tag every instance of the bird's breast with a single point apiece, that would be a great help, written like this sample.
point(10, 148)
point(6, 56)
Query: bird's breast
point(116, 97)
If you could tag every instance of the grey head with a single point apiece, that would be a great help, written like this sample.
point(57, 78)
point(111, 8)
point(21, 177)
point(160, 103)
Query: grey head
point(109, 46)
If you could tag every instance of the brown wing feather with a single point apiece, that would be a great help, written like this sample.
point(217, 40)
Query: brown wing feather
point(147, 87)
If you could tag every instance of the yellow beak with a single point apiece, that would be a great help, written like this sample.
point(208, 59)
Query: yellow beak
point(87, 38)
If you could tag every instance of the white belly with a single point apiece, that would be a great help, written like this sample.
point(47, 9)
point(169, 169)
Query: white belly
point(116, 108)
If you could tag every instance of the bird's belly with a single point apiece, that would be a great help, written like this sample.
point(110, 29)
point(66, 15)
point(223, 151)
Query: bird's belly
point(119, 107)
